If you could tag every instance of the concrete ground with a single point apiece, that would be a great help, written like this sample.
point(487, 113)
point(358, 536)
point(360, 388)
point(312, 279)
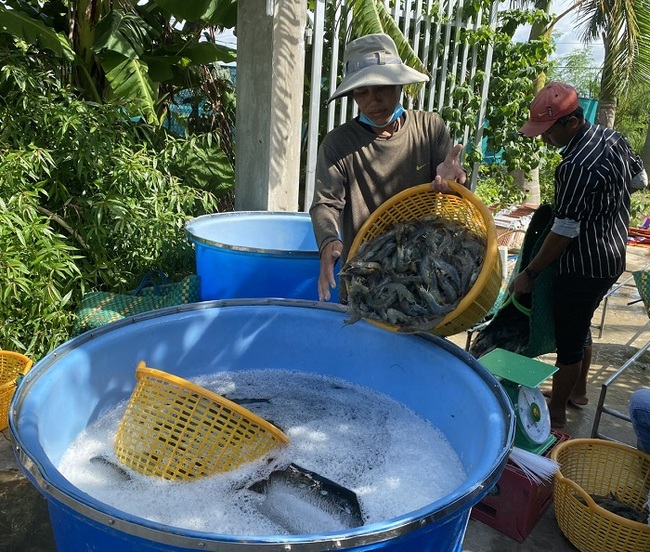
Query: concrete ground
point(24, 521)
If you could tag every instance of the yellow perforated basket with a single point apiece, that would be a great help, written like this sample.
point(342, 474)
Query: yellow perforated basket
point(463, 207)
point(174, 429)
point(598, 467)
point(13, 366)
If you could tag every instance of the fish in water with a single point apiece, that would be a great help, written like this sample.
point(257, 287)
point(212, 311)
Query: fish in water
point(303, 502)
point(414, 274)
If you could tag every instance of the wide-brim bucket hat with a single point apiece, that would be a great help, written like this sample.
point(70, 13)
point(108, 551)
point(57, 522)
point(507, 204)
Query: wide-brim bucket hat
point(372, 60)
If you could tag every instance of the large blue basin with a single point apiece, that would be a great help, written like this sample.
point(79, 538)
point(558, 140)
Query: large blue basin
point(252, 254)
point(82, 379)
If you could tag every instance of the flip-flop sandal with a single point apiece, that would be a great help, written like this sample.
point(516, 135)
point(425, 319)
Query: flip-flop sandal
point(577, 405)
point(547, 395)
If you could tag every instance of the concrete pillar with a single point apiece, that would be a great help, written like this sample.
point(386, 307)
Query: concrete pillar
point(270, 79)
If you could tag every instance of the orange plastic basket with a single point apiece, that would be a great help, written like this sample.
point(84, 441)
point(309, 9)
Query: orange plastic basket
point(174, 429)
point(13, 366)
point(463, 207)
point(598, 467)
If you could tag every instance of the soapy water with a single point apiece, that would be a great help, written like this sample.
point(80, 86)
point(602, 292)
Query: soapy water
point(394, 460)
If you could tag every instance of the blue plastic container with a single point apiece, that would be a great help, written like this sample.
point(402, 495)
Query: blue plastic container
point(256, 254)
point(79, 381)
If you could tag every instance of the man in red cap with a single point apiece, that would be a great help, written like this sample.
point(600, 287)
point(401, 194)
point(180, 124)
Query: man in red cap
point(593, 183)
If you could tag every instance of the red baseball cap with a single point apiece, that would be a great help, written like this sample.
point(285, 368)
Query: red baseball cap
point(553, 101)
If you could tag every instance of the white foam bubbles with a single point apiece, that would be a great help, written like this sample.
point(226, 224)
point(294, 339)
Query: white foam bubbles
point(392, 459)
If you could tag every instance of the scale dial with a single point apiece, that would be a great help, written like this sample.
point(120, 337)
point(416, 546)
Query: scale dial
point(533, 415)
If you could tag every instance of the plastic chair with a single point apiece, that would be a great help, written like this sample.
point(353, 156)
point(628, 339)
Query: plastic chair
point(642, 280)
point(616, 287)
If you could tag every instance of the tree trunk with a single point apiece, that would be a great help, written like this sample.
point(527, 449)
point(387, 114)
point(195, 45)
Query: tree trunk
point(529, 185)
point(608, 98)
point(606, 112)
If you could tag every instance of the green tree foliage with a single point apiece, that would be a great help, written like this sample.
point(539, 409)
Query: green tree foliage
point(633, 114)
point(579, 69)
point(138, 52)
point(632, 119)
point(514, 67)
point(88, 199)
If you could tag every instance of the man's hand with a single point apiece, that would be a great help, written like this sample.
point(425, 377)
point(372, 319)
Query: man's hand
point(328, 257)
point(521, 285)
point(449, 169)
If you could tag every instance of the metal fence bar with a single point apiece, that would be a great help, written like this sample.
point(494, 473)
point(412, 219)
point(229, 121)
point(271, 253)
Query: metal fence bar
point(478, 137)
point(456, 54)
point(472, 67)
point(445, 56)
point(426, 34)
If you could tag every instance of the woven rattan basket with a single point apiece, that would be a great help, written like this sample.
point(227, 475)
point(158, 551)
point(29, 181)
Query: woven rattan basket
point(13, 366)
point(463, 207)
point(174, 429)
point(598, 467)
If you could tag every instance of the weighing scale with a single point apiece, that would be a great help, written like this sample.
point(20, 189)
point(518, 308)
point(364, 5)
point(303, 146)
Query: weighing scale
point(520, 377)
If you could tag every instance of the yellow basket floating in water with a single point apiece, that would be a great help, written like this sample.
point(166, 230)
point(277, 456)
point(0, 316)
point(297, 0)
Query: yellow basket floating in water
point(13, 366)
point(462, 207)
point(174, 429)
point(597, 467)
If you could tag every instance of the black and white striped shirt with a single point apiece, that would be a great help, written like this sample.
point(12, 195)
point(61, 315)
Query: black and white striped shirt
point(592, 187)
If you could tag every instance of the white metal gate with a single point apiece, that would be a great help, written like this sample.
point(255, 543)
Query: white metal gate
point(449, 60)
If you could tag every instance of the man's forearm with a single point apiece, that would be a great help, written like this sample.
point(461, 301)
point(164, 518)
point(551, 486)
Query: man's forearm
point(554, 245)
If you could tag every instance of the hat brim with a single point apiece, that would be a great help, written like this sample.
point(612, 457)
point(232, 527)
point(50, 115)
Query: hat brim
point(378, 75)
point(532, 129)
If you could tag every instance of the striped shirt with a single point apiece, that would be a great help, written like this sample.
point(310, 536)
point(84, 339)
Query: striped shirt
point(592, 187)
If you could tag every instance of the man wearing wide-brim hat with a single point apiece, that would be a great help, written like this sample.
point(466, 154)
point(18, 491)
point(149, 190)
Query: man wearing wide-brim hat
point(587, 241)
point(383, 151)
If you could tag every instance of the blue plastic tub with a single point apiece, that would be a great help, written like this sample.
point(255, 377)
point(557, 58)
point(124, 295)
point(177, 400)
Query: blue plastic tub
point(256, 254)
point(79, 381)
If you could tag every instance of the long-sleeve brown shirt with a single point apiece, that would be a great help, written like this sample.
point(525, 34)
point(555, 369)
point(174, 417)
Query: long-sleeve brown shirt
point(357, 171)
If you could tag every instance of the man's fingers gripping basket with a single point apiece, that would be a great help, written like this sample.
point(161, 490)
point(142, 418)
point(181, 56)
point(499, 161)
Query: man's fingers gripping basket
point(175, 429)
point(425, 261)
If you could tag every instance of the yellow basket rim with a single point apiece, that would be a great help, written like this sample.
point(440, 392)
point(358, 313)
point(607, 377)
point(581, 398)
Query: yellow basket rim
point(143, 370)
point(598, 442)
point(27, 364)
point(589, 502)
point(491, 238)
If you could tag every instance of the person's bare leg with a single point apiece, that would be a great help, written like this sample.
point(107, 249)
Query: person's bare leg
point(578, 394)
point(563, 381)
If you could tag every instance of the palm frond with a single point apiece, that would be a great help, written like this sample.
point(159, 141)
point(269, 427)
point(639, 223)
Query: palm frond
point(365, 19)
point(124, 33)
point(624, 26)
point(35, 32)
point(129, 80)
point(193, 10)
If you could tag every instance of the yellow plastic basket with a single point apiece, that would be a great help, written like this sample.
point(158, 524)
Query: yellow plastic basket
point(174, 429)
point(598, 467)
point(463, 207)
point(12, 367)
